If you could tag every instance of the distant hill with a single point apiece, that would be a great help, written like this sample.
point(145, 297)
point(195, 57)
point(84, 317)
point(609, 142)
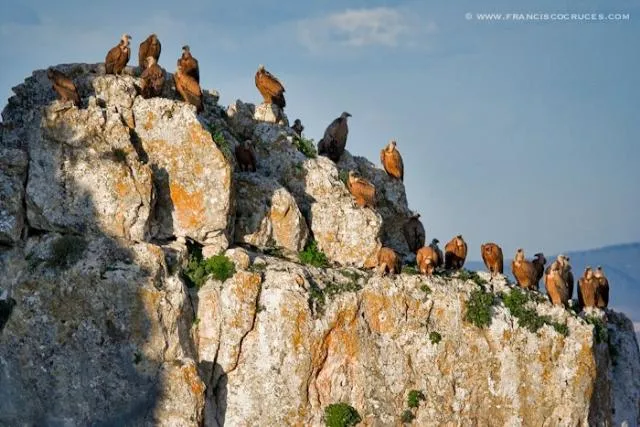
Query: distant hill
point(622, 266)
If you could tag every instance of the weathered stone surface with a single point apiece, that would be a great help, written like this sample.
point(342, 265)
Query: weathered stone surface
point(84, 175)
point(625, 370)
point(13, 172)
point(267, 215)
point(100, 334)
point(192, 178)
point(270, 113)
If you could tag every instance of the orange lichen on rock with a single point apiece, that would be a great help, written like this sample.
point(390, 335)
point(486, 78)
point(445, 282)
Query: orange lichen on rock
point(189, 208)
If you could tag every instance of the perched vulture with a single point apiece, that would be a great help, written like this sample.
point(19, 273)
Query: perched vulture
point(362, 190)
point(334, 140)
point(427, 260)
point(246, 157)
point(270, 87)
point(455, 253)
point(493, 258)
point(189, 64)
point(556, 286)
point(118, 56)
point(297, 127)
point(392, 161)
point(434, 246)
point(567, 274)
point(414, 233)
point(524, 271)
point(602, 294)
point(587, 289)
point(388, 262)
point(188, 88)
point(152, 79)
point(150, 47)
point(64, 86)
point(539, 262)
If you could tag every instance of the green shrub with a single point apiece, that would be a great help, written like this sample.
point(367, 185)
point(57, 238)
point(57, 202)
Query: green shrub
point(516, 301)
point(414, 398)
point(479, 308)
point(66, 250)
point(560, 328)
point(407, 416)
point(198, 270)
point(426, 289)
point(344, 177)
point(410, 269)
point(465, 275)
point(435, 337)
point(119, 155)
point(221, 142)
point(313, 256)
point(306, 146)
point(341, 415)
point(599, 329)
point(274, 251)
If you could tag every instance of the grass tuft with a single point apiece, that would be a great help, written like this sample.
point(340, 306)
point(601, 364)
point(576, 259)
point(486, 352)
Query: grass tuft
point(435, 337)
point(407, 416)
point(516, 301)
point(410, 269)
point(479, 308)
point(313, 256)
point(198, 269)
point(414, 398)
point(599, 328)
point(306, 146)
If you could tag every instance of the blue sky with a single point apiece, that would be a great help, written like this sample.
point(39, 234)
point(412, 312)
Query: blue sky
point(522, 133)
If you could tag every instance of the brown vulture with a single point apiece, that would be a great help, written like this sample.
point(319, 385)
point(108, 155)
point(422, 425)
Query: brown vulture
point(493, 258)
point(602, 294)
point(246, 156)
point(153, 78)
point(587, 289)
point(188, 88)
point(524, 271)
point(362, 190)
point(388, 262)
point(118, 56)
point(270, 87)
point(557, 288)
point(455, 253)
point(335, 138)
point(64, 86)
point(539, 262)
point(414, 234)
point(189, 64)
point(150, 47)
point(392, 161)
point(427, 260)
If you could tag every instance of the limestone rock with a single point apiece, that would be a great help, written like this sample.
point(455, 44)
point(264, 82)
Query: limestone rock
point(240, 118)
point(192, 178)
point(270, 113)
point(100, 333)
point(84, 175)
point(267, 215)
point(13, 172)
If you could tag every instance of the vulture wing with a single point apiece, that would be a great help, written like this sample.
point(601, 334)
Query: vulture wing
point(143, 52)
point(112, 59)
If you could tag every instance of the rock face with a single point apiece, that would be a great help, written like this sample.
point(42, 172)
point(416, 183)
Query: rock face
point(13, 172)
point(98, 327)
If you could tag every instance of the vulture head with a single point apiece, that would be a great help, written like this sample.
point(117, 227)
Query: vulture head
point(125, 39)
point(345, 115)
point(260, 67)
point(149, 61)
point(186, 48)
point(435, 241)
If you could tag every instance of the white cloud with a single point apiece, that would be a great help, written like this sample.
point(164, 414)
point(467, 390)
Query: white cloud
point(356, 28)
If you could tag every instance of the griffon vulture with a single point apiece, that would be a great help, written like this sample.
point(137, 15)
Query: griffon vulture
point(414, 233)
point(64, 86)
point(118, 56)
point(246, 156)
point(427, 260)
point(539, 262)
point(270, 87)
point(493, 258)
point(189, 64)
point(152, 79)
point(556, 286)
point(524, 271)
point(602, 294)
point(362, 190)
point(334, 140)
point(392, 161)
point(188, 88)
point(455, 253)
point(587, 289)
point(297, 127)
point(388, 262)
point(150, 47)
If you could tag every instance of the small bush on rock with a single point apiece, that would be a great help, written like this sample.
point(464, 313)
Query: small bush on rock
point(516, 301)
point(435, 337)
point(306, 146)
point(599, 328)
point(407, 416)
point(479, 308)
point(198, 270)
point(341, 415)
point(414, 398)
point(313, 256)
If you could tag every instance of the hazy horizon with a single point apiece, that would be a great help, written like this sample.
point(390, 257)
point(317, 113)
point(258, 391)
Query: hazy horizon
point(518, 132)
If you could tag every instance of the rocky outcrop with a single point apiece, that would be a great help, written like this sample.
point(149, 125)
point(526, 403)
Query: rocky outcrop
point(267, 215)
point(13, 172)
point(100, 205)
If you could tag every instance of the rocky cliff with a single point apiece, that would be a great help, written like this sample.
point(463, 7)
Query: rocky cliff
point(102, 207)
